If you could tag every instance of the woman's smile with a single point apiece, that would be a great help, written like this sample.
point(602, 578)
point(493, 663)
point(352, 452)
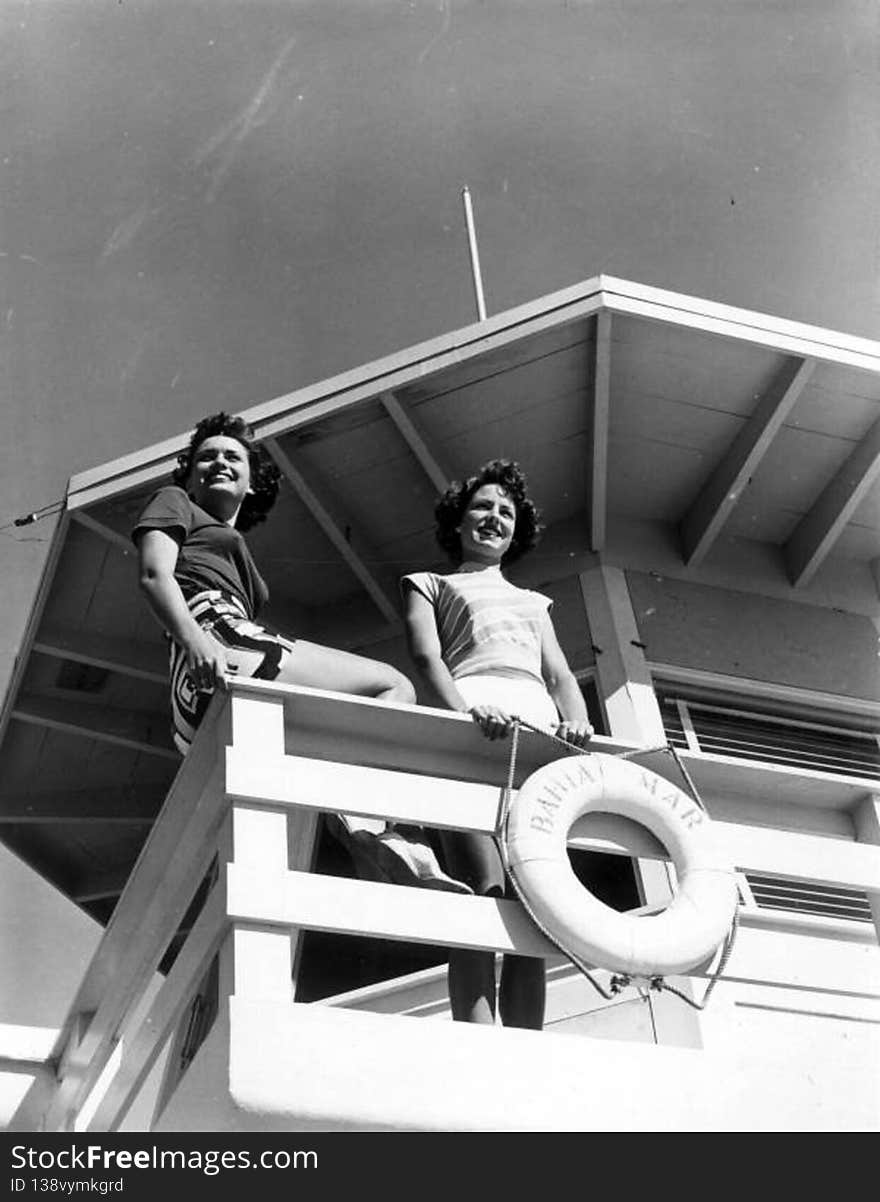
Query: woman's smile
point(488, 524)
point(220, 477)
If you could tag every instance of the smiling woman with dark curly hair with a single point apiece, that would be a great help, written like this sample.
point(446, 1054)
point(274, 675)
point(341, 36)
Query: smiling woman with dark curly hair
point(202, 584)
point(488, 648)
point(452, 505)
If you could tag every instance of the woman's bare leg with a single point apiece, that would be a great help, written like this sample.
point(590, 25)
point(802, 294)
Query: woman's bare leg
point(472, 986)
point(317, 667)
point(522, 992)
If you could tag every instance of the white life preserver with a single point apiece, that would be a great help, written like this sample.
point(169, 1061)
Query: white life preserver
point(691, 927)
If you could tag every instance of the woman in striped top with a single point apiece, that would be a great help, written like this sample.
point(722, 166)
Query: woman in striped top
point(487, 647)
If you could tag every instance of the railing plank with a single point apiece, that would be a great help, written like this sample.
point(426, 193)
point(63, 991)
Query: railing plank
point(324, 903)
point(141, 1045)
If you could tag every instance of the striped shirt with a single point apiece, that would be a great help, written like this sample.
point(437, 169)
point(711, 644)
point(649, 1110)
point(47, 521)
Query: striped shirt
point(486, 624)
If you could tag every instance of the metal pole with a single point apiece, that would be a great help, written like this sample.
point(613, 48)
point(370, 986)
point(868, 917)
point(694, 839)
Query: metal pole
point(475, 254)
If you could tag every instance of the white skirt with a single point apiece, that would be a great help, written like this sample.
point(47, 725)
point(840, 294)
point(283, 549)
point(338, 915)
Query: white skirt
point(520, 697)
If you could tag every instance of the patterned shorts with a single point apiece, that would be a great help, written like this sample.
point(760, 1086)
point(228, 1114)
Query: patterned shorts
point(225, 618)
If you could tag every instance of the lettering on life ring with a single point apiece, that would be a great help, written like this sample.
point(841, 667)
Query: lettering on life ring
point(692, 926)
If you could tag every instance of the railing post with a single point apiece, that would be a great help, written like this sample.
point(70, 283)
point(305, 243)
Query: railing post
point(257, 961)
point(866, 820)
point(627, 690)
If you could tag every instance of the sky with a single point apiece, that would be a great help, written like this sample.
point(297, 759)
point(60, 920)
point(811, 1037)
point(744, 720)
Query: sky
point(205, 204)
point(209, 204)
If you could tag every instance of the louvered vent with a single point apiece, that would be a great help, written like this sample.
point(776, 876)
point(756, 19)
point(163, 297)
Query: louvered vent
point(718, 730)
point(806, 897)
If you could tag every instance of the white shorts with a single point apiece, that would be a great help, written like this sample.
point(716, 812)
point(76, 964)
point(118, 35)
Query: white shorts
point(520, 697)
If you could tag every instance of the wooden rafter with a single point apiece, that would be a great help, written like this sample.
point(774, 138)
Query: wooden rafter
point(334, 529)
point(94, 722)
point(129, 805)
point(102, 886)
point(599, 409)
point(106, 532)
point(415, 440)
point(143, 661)
point(706, 517)
point(820, 529)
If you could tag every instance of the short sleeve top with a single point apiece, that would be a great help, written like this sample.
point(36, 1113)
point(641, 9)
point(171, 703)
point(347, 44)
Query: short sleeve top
point(212, 554)
point(486, 624)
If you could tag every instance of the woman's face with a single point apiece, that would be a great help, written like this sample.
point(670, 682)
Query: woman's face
point(487, 525)
point(220, 476)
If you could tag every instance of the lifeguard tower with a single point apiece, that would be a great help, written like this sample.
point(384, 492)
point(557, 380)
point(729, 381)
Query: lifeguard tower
point(708, 477)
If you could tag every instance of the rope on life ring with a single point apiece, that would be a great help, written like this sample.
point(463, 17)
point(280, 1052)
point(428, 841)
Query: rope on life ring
point(686, 934)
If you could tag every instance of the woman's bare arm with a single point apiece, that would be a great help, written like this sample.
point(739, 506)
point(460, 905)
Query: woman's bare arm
point(426, 653)
point(563, 688)
point(157, 558)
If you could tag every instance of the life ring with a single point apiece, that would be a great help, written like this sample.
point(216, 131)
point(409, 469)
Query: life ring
point(691, 927)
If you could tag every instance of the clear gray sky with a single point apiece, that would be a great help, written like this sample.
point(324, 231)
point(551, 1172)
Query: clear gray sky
point(208, 203)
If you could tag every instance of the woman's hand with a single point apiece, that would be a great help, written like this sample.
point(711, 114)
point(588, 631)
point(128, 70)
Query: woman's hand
point(576, 733)
point(492, 721)
point(206, 661)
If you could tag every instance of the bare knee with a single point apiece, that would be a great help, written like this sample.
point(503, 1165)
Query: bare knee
point(398, 687)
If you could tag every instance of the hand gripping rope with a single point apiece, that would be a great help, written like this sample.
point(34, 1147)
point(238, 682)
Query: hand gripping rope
point(618, 981)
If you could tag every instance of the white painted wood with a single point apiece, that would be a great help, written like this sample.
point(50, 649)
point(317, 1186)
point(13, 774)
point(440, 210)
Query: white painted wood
point(263, 967)
point(141, 1043)
point(687, 726)
point(335, 533)
point(796, 1001)
point(728, 777)
point(802, 857)
point(415, 440)
point(621, 668)
point(25, 1044)
point(764, 812)
point(371, 792)
point(435, 742)
point(597, 431)
point(613, 286)
point(804, 961)
point(258, 724)
point(789, 922)
point(819, 529)
point(173, 861)
point(809, 698)
point(385, 911)
point(768, 333)
point(706, 517)
point(259, 839)
point(273, 418)
point(866, 820)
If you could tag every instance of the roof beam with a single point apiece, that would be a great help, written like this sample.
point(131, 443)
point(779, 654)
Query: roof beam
point(708, 514)
point(135, 805)
point(597, 431)
point(334, 528)
point(100, 887)
point(415, 440)
point(118, 727)
point(819, 530)
point(106, 532)
point(143, 661)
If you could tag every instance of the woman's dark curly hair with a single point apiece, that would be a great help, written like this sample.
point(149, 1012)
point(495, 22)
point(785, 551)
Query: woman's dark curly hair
point(452, 505)
point(265, 476)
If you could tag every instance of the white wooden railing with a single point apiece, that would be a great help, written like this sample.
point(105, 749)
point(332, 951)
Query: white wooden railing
point(267, 761)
